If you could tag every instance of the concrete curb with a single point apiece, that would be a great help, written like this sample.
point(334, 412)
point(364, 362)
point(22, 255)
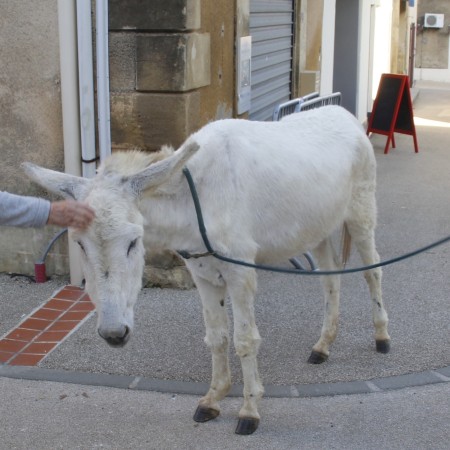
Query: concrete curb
point(191, 388)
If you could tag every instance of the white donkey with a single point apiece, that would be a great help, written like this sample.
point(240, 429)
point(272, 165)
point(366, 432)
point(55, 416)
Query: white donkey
point(268, 191)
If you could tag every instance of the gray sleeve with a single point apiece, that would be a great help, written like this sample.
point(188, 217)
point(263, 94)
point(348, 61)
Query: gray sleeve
point(21, 211)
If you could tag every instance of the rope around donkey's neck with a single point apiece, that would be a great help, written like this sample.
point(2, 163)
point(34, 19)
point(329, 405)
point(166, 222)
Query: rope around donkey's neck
point(211, 252)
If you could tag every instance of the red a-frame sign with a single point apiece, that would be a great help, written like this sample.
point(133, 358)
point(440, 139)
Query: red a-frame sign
point(392, 110)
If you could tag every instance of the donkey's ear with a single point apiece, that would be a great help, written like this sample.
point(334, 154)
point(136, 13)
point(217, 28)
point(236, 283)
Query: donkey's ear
point(63, 184)
point(157, 173)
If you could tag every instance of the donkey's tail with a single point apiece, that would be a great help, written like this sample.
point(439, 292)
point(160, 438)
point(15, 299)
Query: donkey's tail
point(346, 245)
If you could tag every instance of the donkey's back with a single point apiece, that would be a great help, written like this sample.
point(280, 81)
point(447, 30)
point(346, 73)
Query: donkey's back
point(284, 186)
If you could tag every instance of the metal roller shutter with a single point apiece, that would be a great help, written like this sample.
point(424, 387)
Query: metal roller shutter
point(271, 28)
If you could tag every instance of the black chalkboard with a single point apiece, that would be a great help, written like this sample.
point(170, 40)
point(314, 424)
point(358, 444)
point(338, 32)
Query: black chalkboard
point(392, 109)
point(388, 93)
point(405, 117)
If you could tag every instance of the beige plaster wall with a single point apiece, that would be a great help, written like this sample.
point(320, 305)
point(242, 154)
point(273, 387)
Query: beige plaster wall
point(217, 99)
point(307, 47)
point(30, 117)
point(432, 45)
point(314, 14)
point(30, 113)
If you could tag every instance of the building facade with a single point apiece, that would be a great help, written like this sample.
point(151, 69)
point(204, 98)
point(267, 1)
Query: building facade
point(175, 66)
point(432, 49)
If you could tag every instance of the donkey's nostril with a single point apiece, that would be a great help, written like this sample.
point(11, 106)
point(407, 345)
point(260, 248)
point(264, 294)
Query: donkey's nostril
point(116, 338)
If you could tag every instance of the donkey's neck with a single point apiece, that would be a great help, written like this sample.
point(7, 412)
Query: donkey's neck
point(169, 218)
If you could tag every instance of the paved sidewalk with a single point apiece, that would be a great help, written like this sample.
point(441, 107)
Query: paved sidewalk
point(399, 400)
point(46, 415)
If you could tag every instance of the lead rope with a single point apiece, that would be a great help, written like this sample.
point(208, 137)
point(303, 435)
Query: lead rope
point(300, 271)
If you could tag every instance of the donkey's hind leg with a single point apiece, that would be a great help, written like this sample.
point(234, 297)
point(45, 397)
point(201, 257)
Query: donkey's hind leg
point(217, 339)
point(327, 260)
point(365, 242)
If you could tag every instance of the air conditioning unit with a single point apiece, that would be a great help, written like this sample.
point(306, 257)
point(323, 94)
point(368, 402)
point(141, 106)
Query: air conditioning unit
point(434, 21)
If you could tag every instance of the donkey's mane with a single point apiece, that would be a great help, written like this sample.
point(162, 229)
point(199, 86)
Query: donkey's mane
point(132, 161)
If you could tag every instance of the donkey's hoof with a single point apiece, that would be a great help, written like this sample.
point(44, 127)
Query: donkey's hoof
point(317, 357)
point(383, 346)
point(247, 425)
point(204, 414)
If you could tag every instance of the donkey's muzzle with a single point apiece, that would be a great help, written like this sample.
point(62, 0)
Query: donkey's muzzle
point(116, 338)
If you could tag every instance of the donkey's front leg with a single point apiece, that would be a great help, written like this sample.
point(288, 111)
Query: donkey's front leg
point(216, 323)
point(242, 291)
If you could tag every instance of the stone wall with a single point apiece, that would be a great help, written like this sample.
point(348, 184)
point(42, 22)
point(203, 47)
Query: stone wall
point(171, 69)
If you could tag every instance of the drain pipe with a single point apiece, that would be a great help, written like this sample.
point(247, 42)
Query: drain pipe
point(104, 126)
point(70, 110)
point(69, 85)
point(86, 88)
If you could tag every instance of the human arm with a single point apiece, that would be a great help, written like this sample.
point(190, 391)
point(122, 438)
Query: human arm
point(22, 211)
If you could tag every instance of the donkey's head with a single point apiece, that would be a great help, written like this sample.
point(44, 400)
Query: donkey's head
point(112, 247)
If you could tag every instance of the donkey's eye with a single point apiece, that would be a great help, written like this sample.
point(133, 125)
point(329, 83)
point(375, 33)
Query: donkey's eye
point(132, 245)
point(81, 246)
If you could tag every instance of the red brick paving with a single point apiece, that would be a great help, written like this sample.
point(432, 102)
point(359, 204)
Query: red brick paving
point(44, 329)
point(36, 324)
point(51, 336)
point(24, 359)
point(5, 356)
point(22, 334)
point(47, 314)
point(8, 345)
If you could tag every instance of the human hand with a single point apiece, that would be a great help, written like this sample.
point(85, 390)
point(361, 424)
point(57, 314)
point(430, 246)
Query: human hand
point(70, 213)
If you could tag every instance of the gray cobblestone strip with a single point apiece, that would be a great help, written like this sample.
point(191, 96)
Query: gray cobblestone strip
point(192, 388)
